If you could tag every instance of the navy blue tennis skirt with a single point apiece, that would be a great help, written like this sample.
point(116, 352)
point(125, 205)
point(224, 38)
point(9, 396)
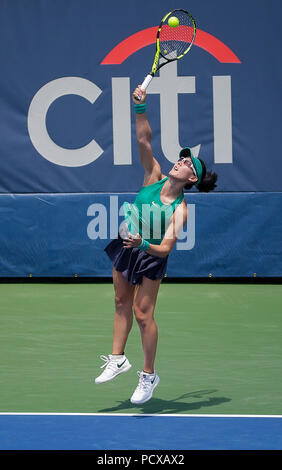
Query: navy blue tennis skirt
point(134, 263)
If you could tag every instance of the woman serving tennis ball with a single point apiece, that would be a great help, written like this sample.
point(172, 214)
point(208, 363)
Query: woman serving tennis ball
point(140, 257)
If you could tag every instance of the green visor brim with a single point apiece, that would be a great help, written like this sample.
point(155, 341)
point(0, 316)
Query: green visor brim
point(196, 162)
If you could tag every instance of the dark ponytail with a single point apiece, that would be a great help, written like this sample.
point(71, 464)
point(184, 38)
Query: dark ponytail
point(208, 181)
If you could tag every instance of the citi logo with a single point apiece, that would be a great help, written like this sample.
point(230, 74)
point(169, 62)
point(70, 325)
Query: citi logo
point(168, 85)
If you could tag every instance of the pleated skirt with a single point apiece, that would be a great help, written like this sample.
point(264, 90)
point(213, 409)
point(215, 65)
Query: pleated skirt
point(134, 263)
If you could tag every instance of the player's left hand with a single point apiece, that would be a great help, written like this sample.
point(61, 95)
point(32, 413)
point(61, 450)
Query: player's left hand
point(132, 241)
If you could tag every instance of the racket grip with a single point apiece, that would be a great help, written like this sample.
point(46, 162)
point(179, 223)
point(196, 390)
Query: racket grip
point(145, 84)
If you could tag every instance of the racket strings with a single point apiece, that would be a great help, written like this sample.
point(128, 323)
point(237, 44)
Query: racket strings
point(175, 41)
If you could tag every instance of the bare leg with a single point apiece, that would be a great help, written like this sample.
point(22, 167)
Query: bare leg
point(123, 317)
point(144, 307)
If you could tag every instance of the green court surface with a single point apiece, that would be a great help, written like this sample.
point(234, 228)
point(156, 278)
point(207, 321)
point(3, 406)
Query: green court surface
point(219, 350)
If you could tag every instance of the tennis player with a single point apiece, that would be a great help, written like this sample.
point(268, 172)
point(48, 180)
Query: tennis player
point(139, 260)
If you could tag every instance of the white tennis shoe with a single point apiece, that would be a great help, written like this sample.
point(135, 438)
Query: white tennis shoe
point(114, 365)
point(144, 390)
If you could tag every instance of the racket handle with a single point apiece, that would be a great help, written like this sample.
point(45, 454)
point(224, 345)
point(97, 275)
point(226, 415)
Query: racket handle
point(145, 84)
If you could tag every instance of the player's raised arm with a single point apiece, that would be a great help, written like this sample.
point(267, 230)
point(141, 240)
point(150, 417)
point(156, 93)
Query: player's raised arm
point(144, 136)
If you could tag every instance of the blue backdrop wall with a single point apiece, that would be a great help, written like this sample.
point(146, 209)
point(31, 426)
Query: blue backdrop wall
point(68, 154)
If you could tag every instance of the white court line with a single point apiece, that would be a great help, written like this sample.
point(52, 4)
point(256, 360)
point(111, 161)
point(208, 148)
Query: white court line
point(138, 415)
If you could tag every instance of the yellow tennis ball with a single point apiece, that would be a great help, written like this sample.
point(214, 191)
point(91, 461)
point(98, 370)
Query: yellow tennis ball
point(173, 21)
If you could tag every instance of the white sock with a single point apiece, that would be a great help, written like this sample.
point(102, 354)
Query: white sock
point(116, 356)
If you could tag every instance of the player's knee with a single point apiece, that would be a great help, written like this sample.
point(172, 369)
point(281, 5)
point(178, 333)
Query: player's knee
point(143, 315)
point(122, 301)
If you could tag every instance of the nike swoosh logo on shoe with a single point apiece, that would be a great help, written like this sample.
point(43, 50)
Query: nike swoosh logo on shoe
point(152, 381)
point(119, 365)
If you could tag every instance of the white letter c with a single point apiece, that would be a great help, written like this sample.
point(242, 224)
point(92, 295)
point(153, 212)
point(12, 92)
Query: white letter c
point(36, 121)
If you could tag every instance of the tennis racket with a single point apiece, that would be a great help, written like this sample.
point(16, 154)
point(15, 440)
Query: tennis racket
point(175, 37)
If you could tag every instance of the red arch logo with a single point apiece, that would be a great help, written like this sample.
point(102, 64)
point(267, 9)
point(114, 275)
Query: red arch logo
point(144, 38)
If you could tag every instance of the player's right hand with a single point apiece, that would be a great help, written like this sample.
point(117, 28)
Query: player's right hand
point(141, 93)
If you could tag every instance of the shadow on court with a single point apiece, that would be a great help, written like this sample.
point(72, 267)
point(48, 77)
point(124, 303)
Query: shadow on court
point(197, 400)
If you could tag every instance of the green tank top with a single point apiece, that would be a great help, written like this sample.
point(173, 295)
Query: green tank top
point(148, 216)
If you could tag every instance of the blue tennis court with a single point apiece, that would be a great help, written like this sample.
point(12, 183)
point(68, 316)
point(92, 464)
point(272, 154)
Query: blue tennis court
point(133, 432)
